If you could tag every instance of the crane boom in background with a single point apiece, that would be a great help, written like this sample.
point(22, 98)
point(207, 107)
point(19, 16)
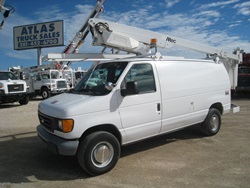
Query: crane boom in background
point(80, 36)
point(7, 11)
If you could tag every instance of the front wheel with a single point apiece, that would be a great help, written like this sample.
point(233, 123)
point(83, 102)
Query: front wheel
point(45, 93)
point(98, 153)
point(24, 100)
point(212, 123)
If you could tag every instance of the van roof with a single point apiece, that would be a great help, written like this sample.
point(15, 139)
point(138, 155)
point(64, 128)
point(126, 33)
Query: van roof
point(162, 58)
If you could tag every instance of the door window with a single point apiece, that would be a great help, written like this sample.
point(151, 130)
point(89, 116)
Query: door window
point(38, 78)
point(143, 75)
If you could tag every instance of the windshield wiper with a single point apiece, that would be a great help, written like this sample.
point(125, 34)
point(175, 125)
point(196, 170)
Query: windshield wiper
point(84, 91)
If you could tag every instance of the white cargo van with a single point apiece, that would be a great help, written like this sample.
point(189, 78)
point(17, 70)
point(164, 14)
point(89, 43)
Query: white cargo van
point(123, 101)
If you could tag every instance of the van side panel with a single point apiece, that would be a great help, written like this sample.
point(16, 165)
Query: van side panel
point(189, 88)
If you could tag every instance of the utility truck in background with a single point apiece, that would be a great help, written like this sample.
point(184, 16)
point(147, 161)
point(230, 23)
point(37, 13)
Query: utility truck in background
point(12, 89)
point(244, 74)
point(45, 81)
point(49, 79)
point(58, 77)
point(129, 97)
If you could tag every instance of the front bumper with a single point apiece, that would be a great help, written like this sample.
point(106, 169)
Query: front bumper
point(57, 145)
point(11, 96)
point(58, 91)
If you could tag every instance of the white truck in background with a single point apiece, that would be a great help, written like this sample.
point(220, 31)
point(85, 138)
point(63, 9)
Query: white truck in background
point(12, 89)
point(45, 82)
point(48, 80)
point(124, 100)
point(58, 77)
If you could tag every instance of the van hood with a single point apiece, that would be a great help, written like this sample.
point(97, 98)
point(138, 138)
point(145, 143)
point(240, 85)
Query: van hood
point(68, 105)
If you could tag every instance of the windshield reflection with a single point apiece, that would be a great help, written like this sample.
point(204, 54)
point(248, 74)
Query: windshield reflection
point(94, 81)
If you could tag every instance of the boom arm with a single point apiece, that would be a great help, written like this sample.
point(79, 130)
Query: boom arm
point(139, 41)
point(127, 38)
point(8, 10)
point(2, 5)
point(80, 36)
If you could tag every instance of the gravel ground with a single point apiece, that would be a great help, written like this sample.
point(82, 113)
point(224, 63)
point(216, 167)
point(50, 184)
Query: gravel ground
point(181, 159)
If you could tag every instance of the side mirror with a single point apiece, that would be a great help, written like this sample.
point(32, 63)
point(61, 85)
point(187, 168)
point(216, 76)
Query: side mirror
point(22, 76)
point(131, 89)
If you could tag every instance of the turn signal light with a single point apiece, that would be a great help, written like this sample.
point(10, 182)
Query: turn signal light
point(66, 125)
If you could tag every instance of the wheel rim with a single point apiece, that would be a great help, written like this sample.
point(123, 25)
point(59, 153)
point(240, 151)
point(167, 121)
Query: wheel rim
point(102, 154)
point(45, 95)
point(214, 122)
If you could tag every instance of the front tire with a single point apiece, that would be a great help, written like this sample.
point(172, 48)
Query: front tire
point(98, 153)
point(24, 100)
point(212, 123)
point(45, 93)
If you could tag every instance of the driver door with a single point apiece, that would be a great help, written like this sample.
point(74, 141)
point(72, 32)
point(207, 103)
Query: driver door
point(37, 82)
point(141, 113)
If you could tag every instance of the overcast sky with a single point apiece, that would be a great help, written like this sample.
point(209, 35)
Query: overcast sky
point(224, 24)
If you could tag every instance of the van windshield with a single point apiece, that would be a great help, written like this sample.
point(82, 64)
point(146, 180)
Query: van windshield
point(94, 81)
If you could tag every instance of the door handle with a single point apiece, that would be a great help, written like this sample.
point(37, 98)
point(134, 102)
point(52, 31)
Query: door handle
point(158, 107)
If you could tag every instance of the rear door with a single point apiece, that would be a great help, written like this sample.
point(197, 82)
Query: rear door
point(141, 113)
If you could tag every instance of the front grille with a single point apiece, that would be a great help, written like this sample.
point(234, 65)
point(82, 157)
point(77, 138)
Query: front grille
point(61, 84)
point(15, 87)
point(47, 121)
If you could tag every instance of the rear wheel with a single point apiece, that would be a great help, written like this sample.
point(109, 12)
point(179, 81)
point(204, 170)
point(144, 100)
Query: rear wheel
point(98, 153)
point(212, 123)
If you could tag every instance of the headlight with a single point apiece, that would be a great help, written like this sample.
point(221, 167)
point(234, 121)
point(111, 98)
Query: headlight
point(66, 125)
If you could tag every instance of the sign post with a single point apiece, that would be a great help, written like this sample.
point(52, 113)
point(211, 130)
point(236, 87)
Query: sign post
point(40, 35)
point(39, 56)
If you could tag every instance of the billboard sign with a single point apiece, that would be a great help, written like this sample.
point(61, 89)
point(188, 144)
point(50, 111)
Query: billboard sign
point(40, 35)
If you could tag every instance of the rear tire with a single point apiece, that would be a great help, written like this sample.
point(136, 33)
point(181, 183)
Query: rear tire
point(212, 123)
point(98, 153)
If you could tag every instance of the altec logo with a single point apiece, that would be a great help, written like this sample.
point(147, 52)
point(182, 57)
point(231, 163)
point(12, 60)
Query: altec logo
point(168, 39)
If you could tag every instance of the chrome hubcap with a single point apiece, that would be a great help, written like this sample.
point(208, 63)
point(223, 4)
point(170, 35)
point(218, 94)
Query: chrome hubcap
point(214, 122)
point(45, 94)
point(102, 154)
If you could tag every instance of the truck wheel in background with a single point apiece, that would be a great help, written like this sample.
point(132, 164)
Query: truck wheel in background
point(98, 153)
point(24, 100)
point(212, 123)
point(45, 93)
